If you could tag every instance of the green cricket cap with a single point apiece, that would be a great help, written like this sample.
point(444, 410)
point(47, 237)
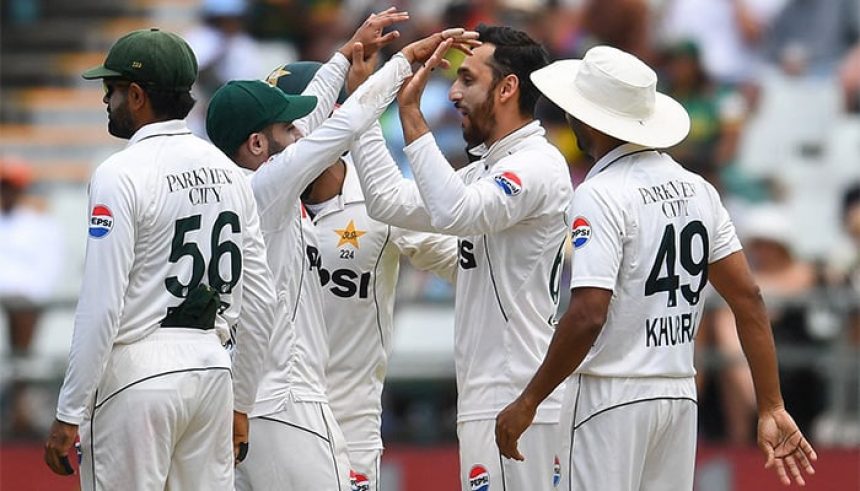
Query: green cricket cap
point(151, 57)
point(293, 78)
point(242, 107)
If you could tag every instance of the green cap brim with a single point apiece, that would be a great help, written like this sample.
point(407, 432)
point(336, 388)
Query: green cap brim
point(100, 72)
point(299, 107)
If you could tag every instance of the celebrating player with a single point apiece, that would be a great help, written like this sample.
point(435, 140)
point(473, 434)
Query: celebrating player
point(360, 263)
point(509, 211)
point(648, 235)
point(256, 125)
point(174, 259)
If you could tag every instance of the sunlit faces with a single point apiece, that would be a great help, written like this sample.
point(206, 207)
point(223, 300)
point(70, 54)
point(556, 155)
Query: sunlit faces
point(473, 94)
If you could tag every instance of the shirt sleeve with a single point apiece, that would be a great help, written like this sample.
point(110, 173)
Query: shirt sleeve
point(436, 253)
point(256, 317)
point(108, 262)
point(389, 197)
point(597, 233)
point(279, 183)
point(725, 241)
point(326, 86)
point(490, 204)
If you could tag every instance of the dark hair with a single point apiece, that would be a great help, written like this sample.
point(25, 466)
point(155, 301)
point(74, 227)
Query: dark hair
point(518, 54)
point(169, 104)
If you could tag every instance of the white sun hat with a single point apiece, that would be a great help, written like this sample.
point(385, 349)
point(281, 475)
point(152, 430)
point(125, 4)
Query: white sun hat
point(616, 93)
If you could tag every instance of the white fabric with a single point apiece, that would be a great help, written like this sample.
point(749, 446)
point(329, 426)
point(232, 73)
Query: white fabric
point(360, 264)
point(628, 204)
point(170, 431)
point(299, 349)
point(629, 434)
point(509, 211)
point(141, 198)
point(481, 464)
point(297, 447)
point(616, 93)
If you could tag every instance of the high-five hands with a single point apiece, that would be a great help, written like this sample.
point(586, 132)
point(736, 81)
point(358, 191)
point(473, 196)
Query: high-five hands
point(370, 33)
point(431, 51)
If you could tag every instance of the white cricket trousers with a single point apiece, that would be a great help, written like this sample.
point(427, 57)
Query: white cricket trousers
point(298, 448)
point(629, 434)
point(482, 467)
point(163, 417)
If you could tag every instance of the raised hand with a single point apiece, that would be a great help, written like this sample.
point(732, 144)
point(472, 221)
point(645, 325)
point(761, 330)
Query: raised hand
point(421, 50)
point(370, 35)
point(784, 446)
point(360, 69)
point(409, 95)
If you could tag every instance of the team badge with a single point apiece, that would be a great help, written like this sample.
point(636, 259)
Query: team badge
point(479, 478)
point(580, 232)
point(101, 221)
point(276, 74)
point(358, 482)
point(556, 472)
point(510, 183)
point(349, 235)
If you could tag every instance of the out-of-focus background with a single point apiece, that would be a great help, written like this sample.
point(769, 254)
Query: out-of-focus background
point(773, 90)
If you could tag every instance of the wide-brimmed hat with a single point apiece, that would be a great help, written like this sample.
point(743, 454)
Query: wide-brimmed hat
point(615, 93)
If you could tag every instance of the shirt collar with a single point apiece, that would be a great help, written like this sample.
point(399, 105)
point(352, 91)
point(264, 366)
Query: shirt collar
point(506, 144)
point(614, 155)
point(161, 128)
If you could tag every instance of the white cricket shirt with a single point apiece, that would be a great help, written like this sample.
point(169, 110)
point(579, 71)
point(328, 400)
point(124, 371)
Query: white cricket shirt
point(168, 212)
point(299, 349)
point(509, 210)
point(646, 228)
point(360, 261)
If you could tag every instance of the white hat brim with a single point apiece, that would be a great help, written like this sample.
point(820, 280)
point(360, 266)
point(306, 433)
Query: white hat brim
point(667, 126)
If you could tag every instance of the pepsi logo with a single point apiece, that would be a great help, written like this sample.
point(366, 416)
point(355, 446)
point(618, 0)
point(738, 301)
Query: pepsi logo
point(510, 183)
point(580, 232)
point(479, 478)
point(556, 472)
point(101, 221)
point(358, 482)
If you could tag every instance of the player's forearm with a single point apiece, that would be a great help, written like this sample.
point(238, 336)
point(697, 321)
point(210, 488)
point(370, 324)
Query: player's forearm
point(757, 341)
point(573, 337)
point(414, 124)
point(326, 86)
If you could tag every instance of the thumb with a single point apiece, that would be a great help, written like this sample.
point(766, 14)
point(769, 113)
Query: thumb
point(357, 52)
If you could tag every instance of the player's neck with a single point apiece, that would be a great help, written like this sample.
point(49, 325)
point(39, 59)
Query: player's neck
point(505, 125)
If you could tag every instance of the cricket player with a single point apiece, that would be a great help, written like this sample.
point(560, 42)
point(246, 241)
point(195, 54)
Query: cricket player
point(509, 210)
point(360, 262)
point(647, 236)
point(258, 126)
point(174, 261)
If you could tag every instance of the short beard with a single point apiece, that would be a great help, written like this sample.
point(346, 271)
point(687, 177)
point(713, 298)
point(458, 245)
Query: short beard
point(483, 119)
point(120, 122)
point(274, 147)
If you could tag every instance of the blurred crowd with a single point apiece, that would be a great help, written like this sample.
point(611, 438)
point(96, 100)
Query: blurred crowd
point(773, 91)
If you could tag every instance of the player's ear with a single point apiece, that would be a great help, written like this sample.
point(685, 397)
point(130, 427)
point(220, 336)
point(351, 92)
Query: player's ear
point(508, 87)
point(257, 144)
point(136, 96)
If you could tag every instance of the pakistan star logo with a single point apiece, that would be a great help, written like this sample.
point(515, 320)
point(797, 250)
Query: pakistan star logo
point(349, 235)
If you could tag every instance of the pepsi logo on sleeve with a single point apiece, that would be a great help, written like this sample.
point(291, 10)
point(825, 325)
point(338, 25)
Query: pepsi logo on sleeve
point(510, 183)
point(580, 232)
point(101, 222)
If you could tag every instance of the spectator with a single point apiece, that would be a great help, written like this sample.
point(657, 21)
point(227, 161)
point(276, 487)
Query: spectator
point(29, 265)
